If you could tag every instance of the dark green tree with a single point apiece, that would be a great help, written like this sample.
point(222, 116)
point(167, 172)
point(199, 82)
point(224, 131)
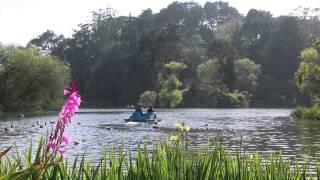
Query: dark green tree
point(219, 12)
point(308, 73)
point(50, 44)
point(247, 74)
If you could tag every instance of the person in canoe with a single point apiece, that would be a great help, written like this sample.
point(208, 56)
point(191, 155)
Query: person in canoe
point(150, 110)
point(139, 110)
point(139, 116)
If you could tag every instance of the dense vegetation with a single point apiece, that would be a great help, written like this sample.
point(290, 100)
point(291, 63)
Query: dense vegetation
point(165, 161)
point(308, 80)
point(311, 113)
point(187, 55)
point(30, 80)
point(225, 59)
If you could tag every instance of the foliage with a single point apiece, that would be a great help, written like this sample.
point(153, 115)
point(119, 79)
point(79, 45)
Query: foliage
point(238, 99)
point(247, 74)
point(210, 73)
point(29, 80)
point(219, 12)
point(226, 31)
point(170, 95)
point(174, 67)
point(117, 58)
point(171, 83)
point(49, 43)
point(165, 161)
point(194, 52)
point(214, 92)
point(308, 78)
point(308, 74)
point(312, 113)
point(148, 98)
point(310, 55)
point(170, 98)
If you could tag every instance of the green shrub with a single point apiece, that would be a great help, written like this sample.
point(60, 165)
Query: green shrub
point(306, 113)
point(239, 99)
point(235, 99)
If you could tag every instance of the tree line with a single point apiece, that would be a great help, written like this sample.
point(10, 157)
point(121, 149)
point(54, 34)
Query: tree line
point(187, 55)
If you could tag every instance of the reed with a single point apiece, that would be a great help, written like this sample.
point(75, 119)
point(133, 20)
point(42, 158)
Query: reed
point(167, 160)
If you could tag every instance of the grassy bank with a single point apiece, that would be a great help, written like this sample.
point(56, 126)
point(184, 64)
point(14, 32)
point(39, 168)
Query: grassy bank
point(164, 161)
point(312, 113)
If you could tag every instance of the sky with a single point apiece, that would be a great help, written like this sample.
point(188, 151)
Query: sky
point(22, 20)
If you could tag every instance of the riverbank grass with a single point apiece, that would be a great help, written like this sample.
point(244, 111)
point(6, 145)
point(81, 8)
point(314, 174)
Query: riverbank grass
point(312, 113)
point(167, 160)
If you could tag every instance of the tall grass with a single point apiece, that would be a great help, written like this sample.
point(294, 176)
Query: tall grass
point(164, 161)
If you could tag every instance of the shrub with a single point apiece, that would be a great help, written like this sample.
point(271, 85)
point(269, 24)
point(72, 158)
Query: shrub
point(306, 113)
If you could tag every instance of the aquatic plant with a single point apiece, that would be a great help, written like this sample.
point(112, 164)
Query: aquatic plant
point(312, 113)
point(182, 127)
point(181, 134)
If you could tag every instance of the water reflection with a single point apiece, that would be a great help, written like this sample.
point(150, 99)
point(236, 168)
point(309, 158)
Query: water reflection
point(264, 130)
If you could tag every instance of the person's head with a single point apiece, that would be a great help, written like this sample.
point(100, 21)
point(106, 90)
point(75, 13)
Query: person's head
point(139, 106)
point(150, 107)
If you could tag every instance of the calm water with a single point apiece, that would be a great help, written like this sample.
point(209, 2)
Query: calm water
point(263, 130)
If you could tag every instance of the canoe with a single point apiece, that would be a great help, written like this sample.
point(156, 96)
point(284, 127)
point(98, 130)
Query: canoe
point(142, 117)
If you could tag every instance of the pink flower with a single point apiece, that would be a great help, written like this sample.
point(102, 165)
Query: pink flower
point(63, 152)
point(57, 139)
point(70, 107)
point(66, 92)
point(73, 88)
point(66, 139)
point(52, 145)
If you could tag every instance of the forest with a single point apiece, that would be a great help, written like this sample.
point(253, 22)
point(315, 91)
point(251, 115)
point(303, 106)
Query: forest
point(186, 55)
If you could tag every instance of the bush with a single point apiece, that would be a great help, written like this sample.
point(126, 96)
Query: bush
point(306, 113)
point(235, 99)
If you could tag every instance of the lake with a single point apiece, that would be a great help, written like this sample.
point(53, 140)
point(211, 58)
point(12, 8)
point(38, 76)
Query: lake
point(263, 130)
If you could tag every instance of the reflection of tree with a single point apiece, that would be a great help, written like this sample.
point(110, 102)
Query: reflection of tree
point(308, 133)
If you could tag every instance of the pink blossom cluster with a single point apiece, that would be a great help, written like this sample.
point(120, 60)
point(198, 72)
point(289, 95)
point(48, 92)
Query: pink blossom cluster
point(57, 140)
point(60, 147)
point(70, 107)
